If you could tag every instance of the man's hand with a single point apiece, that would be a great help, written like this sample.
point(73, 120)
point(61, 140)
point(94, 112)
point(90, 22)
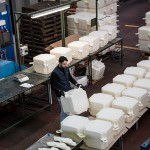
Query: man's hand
point(79, 85)
point(61, 93)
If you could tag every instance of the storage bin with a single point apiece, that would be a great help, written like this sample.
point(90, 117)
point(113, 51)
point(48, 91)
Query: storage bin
point(92, 41)
point(111, 30)
point(98, 101)
point(98, 134)
point(73, 104)
point(144, 64)
point(129, 106)
point(147, 76)
point(113, 89)
point(73, 126)
point(79, 49)
point(144, 33)
point(138, 72)
point(126, 80)
point(102, 35)
point(62, 51)
point(44, 63)
point(98, 69)
point(144, 45)
point(115, 116)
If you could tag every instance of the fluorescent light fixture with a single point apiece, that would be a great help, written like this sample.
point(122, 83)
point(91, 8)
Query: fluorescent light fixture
point(51, 11)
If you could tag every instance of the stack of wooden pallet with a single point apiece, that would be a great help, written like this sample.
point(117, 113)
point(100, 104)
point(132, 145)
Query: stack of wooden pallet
point(40, 32)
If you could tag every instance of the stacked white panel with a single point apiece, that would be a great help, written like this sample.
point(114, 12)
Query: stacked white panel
point(140, 94)
point(98, 134)
point(99, 101)
point(124, 79)
point(113, 89)
point(138, 72)
point(44, 63)
point(73, 127)
point(129, 106)
point(115, 116)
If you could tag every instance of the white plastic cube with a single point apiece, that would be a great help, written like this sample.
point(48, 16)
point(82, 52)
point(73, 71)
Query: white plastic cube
point(44, 63)
point(111, 30)
point(144, 33)
point(99, 134)
point(102, 35)
point(72, 127)
point(79, 49)
point(72, 21)
point(83, 4)
point(92, 41)
point(147, 76)
point(117, 119)
point(138, 72)
point(144, 64)
point(140, 94)
point(129, 105)
point(75, 105)
point(99, 101)
point(144, 45)
point(124, 79)
point(62, 51)
point(113, 89)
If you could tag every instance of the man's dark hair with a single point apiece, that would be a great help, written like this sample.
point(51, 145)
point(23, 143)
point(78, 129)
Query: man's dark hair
point(62, 59)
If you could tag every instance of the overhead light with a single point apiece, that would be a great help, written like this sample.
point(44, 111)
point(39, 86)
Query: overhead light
point(48, 12)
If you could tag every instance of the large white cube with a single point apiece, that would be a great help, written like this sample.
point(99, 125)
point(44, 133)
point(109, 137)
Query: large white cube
point(73, 126)
point(98, 134)
point(44, 63)
point(144, 33)
point(144, 45)
point(107, 2)
point(140, 94)
point(124, 79)
point(62, 51)
point(79, 49)
point(73, 104)
point(111, 30)
point(142, 83)
point(99, 101)
point(144, 64)
point(98, 69)
point(113, 89)
point(102, 35)
point(115, 116)
point(83, 4)
point(92, 41)
point(129, 105)
point(138, 72)
point(72, 22)
point(147, 76)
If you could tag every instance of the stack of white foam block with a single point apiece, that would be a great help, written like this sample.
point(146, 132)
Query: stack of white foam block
point(144, 35)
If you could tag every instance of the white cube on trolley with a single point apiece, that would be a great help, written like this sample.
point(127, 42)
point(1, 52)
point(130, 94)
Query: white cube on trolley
point(129, 106)
point(138, 72)
point(98, 134)
point(140, 94)
point(98, 101)
point(113, 89)
point(73, 127)
point(115, 116)
point(126, 80)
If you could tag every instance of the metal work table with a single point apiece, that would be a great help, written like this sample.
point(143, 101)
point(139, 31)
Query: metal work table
point(41, 143)
point(11, 88)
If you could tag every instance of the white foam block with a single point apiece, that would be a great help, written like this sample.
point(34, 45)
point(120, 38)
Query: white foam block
point(113, 89)
point(128, 105)
point(99, 101)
